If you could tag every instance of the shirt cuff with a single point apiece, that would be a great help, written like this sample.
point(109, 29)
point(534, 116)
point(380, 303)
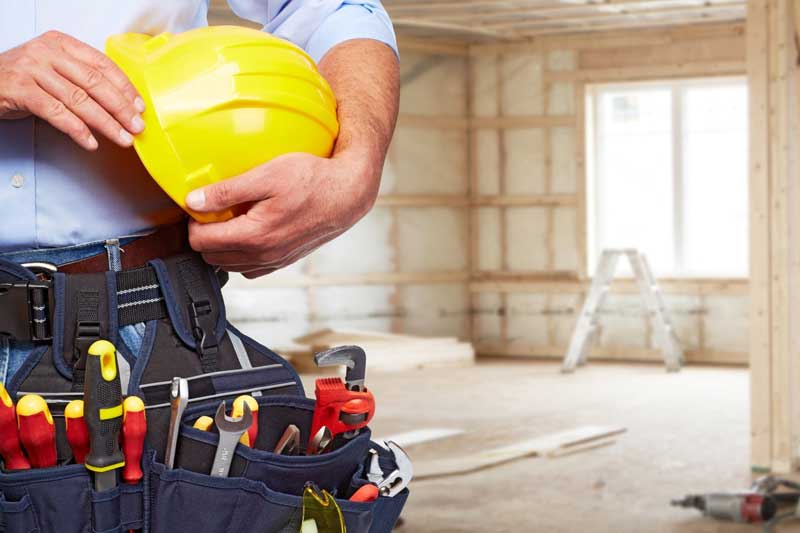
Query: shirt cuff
point(352, 21)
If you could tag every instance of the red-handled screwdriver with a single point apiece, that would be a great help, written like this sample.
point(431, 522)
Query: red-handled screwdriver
point(77, 432)
point(36, 430)
point(13, 456)
point(249, 438)
point(134, 428)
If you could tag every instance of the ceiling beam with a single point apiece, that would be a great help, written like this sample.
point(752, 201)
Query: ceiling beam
point(568, 9)
point(640, 14)
point(627, 24)
point(463, 29)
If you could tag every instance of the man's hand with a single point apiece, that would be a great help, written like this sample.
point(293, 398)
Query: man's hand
point(297, 202)
point(72, 86)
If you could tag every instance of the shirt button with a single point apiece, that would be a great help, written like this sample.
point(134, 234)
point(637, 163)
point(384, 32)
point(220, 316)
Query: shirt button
point(17, 180)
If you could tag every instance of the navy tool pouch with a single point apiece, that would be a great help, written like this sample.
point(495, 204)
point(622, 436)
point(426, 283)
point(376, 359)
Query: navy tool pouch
point(186, 334)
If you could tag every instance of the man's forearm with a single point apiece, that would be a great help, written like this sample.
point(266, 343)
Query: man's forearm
point(365, 78)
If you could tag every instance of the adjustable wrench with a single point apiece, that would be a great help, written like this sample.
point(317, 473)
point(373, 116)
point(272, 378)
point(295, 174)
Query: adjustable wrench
point(230, 431)
point(179, 398)
point(342, 408)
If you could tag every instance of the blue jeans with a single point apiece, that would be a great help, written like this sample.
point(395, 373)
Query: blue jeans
point(13, 353)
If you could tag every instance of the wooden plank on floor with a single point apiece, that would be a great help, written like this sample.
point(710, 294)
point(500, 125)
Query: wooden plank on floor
point(527, 448)
point(420, 436)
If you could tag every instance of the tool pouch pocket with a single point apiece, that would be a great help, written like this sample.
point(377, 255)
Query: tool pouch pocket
point(47, 499)
point(263, 491)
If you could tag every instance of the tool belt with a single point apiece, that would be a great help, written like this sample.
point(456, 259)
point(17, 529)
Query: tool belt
point(187, 335)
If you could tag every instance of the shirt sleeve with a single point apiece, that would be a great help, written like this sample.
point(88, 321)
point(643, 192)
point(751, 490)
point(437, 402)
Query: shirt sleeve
point(319, 25)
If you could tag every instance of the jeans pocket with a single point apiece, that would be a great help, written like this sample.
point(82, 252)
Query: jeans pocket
point(17, 516)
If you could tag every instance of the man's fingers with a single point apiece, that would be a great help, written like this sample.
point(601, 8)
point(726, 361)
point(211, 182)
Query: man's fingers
point(258, 273)
point(95, 84)
point(101, 62)
point(235, 234)
point(52, 110)
point(82, 105)
point(251, 186)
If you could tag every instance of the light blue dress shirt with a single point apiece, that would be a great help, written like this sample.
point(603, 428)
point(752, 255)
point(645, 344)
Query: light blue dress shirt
point(52, 193)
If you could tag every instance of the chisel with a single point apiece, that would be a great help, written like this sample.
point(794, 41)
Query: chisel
point(103, 414)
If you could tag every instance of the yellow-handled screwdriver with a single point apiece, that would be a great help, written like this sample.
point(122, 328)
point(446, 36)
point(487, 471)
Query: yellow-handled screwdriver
point(103, 414)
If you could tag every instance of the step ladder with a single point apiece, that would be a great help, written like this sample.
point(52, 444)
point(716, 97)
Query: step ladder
point(587, 326)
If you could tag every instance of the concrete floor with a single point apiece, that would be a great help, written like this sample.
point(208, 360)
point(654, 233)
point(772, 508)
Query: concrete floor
point(686, 432)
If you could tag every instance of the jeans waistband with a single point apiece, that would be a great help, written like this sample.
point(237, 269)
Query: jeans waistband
point(66, 254)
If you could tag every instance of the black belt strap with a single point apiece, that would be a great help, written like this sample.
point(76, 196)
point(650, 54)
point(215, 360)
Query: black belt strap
point(88, 330)
point(139, 296)
point(200, 314)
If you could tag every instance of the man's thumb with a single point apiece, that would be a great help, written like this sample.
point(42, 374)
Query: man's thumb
point(216, 197)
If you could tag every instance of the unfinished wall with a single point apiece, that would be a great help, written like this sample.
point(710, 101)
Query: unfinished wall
point(405, 266)
point(528, 172)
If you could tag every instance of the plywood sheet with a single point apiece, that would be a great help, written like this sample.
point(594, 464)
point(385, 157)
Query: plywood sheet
point(433, 84)
point(684, 311)
point(527, 238)
point(726, 323)
point(484, 80)
point(525, 165)
point(489, 249)
point(562, 155)
point(562, 60)
point(432, 239)
point(354, 307)
point(563, 311)
point(561, 99)
point(622, 322)
point(488, 161)
point(522, 84)
point(565, 245)
point(488, 315)
point(436, 310)
point(527, 319)
point(345, 254)
point(261, 304)
point(687, 51)
point(428, 161)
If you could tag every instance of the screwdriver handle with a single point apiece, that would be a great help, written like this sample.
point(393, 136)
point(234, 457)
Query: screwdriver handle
point(36, 430)
point(103, 408)
point(77, 432)
point(134, 429)
point(10, 450)
point(204, 423)
point(237, 411)
point(366, 493)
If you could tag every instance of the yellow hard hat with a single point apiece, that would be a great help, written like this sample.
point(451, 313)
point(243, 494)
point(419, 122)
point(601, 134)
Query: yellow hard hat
point(221, 100)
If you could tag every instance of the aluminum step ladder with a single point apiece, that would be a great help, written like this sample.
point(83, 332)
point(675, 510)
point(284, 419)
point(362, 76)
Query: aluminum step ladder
point(587, 326)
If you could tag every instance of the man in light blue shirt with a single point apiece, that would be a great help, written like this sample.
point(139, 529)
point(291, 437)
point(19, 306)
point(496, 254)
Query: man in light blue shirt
point(71, 185)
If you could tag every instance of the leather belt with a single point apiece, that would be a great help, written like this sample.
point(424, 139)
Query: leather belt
point(164, 242)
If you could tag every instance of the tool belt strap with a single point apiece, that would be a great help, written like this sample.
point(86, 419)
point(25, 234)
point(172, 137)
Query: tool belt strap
point(26, 308)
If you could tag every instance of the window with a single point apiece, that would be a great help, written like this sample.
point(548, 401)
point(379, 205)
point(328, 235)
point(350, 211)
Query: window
point(668, 175)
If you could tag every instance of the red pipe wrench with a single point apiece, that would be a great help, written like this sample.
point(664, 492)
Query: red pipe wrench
point(342, 408)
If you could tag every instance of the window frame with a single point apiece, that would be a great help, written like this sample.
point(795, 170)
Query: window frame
point(678, 88)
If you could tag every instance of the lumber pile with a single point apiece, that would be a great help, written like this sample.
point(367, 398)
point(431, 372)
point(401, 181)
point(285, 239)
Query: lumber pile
point(386, 352)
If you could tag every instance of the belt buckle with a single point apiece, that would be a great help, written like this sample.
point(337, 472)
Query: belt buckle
point(26, 308)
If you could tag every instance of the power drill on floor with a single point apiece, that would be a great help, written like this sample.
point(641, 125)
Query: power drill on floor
point(759, 504)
